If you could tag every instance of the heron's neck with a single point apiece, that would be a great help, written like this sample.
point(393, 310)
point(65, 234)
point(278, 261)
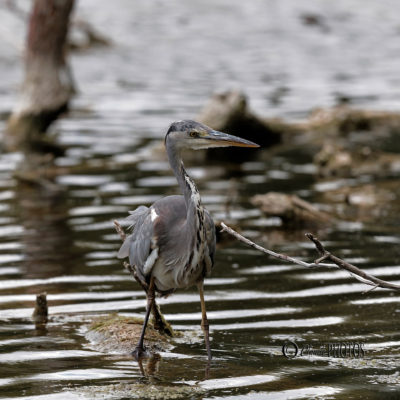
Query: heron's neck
point(186, 183)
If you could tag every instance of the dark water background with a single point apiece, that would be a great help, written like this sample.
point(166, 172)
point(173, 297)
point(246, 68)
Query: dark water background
point(167, 58)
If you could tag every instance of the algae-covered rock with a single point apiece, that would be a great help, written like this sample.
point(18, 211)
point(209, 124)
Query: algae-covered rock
point(118, 334)
point(141, 391)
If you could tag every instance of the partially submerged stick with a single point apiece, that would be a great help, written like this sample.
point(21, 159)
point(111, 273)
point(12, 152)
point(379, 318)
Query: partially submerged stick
point(41, 311)
point(355, 272)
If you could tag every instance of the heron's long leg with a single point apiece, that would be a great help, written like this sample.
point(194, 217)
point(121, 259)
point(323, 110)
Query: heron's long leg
point(140, 350)
point(204, 320)
point(160, 323)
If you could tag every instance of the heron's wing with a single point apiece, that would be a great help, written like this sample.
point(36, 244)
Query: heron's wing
point(211, 237)
point(134, 218)
point(138, 245)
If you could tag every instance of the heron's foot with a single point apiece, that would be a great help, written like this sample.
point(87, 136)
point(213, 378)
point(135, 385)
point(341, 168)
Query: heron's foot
point(140, 352)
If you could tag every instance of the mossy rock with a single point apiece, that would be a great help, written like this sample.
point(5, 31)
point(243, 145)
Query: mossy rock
point(142, 391)
point(119, 334)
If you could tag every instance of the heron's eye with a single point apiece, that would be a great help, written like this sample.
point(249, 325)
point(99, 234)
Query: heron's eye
point(194, 134)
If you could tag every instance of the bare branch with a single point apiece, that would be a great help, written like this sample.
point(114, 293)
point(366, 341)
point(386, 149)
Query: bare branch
point(369, 279)
point(279, 256)
point(355, 272)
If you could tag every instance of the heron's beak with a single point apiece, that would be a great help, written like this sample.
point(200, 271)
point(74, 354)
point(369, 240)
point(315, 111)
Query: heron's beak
point(223, 139)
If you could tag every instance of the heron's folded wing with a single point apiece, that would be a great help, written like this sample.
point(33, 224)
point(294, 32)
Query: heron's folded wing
point(138, 245)
point(124, 249)
point(135, 217)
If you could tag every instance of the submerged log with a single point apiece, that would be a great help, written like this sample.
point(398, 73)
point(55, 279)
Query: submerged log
point(228, 112)
point(41, 311)
point(48, 84)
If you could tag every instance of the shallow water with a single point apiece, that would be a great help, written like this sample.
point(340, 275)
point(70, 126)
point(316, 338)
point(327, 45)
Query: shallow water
point(64, 243)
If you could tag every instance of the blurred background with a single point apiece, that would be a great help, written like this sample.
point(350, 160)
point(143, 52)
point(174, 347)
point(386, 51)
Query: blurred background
point(317, 83)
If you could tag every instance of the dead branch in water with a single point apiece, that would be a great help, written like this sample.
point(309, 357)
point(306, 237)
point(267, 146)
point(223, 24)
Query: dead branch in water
point(325, 255)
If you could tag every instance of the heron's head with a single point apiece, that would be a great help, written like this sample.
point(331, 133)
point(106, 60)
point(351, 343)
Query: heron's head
point(196, 136)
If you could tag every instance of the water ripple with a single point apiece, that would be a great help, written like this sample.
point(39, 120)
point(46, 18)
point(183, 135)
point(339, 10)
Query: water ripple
point(23, 356)
point(285, 323)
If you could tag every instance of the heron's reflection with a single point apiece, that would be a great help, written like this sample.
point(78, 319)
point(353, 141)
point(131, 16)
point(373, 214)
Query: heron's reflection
point(149, 366)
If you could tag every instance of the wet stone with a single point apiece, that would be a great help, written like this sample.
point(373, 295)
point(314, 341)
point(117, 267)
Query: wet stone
point(114, 333)
point(140, 391)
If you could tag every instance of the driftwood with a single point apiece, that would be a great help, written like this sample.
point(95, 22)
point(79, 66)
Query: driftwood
point(325, 255)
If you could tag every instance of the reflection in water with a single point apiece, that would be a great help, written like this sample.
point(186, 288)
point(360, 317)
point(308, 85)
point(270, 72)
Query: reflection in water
point(42, 211)
point(149, 366)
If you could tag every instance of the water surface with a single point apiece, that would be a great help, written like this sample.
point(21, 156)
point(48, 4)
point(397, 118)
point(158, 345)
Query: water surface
point(163, 67)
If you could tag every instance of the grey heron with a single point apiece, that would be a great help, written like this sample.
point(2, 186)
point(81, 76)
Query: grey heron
point(172, 244)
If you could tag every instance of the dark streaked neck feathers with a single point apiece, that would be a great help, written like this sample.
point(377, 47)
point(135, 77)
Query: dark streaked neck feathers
point(187, 185)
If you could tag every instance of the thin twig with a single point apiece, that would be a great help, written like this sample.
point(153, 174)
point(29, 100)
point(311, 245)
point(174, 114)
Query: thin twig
point(355, 272)
point(370, 289)
point(271, 253)
point(369, 279)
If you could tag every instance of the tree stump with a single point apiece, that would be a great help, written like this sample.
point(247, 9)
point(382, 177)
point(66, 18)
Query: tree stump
point(48, 85)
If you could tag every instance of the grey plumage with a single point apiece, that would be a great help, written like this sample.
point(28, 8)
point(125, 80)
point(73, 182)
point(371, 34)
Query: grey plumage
point(172, 244)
